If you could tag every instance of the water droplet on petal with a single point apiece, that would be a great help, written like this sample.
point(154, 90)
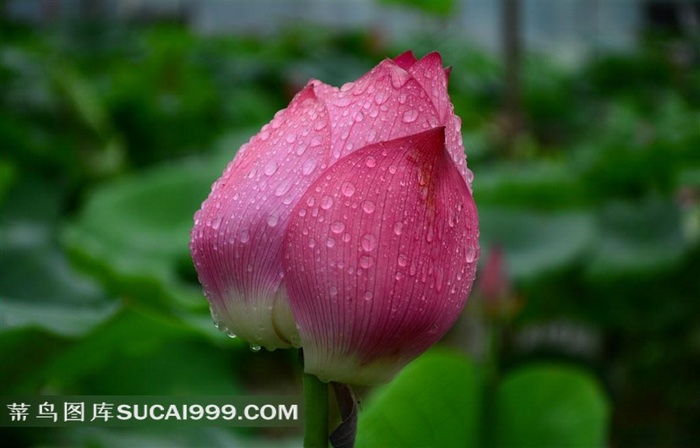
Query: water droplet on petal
point(403, 260)
point(399, 77)
point(381, 97)
point(393, 169)
point(368, 295)
point(410, 116)
point(216, 223)
point(244, 236)
point(347, 189)
point(273, 219)
point(316, 141)
point(398, 228)
point(471, 253)
point(366, 261)
point(283, 187)
point(371, 135)
point(371, 162)
point(308, 167)
point(337, 227)
point(347, 86)
point(312, 243)
point(255, 348)
point(368, 206)
point(270, 168)
point(359, 117)
point(330, 242)
point(291, 138)
point(326, 202)
point(369, 242)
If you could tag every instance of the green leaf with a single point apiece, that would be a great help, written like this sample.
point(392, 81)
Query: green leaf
point(433, 402)
point(537, 184)
point(551, 406)
point(638, 238)
point(112, 360)
point(38, 287)
point(536, 243)
point(134, 233)
point(438, 7)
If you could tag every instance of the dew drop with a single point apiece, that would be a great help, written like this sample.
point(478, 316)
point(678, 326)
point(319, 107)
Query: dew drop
point(273, 219)
point(337, 227)
point(244, 236)
point(371, 162)
point(368, 206)
point(316, 141)
point(398, 228)
point(302, 212)
point(270, 168)
point(291, 138)
point(333, 291)
point(255, 348)
point(393, 169)
point(369, 242)
point(347, 189)
point(471, 253)
point(399, 77)
point(283, 187)
point(346, 237)
point(410, 116)
point(343, 101)
point(381, 97)
point(366, 262)
point(439, 277)
point(264, 135)
point(402, 260)
point(312, 243)
point(308, 167)
point(368, 295)
point(311, 201)
point(347, 86)
point(326, 202)
point(216, 223)
point(330, 242)
point(359, 117)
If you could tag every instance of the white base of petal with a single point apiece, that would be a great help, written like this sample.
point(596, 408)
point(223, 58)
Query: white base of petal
point(261, 319)
point(348, 368)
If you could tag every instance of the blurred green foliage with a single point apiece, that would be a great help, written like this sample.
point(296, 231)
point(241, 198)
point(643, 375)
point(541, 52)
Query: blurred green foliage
point(111, 138)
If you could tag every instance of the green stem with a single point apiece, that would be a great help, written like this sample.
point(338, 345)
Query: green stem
point(315, 412)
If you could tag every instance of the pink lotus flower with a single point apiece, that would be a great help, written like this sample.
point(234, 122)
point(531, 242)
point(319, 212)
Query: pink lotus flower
point(347, 225)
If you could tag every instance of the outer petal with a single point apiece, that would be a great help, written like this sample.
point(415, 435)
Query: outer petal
point(238, 234)
point(386, 103)
point(405, 59)
point(431, 75)
point(380, 257)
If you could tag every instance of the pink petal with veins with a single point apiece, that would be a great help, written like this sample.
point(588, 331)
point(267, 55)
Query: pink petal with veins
point(380, 257)
point(405, 60)
point(237, 238)
point(384, 104)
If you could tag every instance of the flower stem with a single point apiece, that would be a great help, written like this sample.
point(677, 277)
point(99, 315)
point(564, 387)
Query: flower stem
point(315, 412)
